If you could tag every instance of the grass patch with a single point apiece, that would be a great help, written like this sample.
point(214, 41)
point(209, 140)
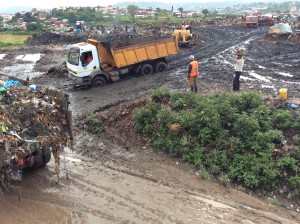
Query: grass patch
point(273, 201)
point(93, 123)
point(7, 40)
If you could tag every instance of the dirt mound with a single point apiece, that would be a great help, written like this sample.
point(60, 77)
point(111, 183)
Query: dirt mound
point(58, 71)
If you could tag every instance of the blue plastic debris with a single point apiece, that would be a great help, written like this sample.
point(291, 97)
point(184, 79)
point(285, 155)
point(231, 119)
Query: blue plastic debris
point(11, 83)
point(294, 106)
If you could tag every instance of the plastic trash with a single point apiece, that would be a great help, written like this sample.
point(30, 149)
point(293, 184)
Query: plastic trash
point(2, 90)
point(294, 106)
point(32, 88)
point(11, 83)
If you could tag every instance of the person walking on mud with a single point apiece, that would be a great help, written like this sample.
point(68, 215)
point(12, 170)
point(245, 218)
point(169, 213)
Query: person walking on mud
point(193, 73)
point(238, 67)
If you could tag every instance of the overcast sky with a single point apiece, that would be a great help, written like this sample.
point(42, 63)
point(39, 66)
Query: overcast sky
point(56, 3)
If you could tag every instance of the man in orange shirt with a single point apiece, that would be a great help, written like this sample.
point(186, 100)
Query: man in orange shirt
point(193, 73)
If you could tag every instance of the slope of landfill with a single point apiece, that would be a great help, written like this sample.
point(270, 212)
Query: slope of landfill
point(114, 179)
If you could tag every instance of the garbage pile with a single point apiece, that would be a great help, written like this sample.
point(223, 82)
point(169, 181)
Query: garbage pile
point(281, 32)
point(47, 38)
point(33, 121)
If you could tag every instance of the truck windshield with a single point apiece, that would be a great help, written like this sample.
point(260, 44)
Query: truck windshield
point(73, 58)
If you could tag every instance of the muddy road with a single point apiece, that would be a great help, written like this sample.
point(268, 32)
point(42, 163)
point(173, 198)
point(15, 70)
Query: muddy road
point(115, 183)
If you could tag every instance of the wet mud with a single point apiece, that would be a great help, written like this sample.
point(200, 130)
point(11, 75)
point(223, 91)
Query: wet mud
point(115, 179)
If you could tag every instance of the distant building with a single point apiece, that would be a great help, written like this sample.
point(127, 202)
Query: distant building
point(20, 20)
point(53, 20)
point(7, 18)
point(42, 16)
point(63, 8)
point(293, 10)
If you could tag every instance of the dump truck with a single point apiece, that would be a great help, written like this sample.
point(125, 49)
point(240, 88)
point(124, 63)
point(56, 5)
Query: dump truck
point(251, 21)
point(185, 36)
point(96, 63)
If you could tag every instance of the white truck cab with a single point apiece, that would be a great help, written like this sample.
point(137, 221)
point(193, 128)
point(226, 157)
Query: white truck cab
point(82, 61)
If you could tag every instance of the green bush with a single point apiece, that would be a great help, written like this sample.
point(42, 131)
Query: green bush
point(145, 117)
point(296, 124)
point(224, 179)
point(294, 183)
point(161, 95)
point(282, 119)
point(93, 123)
point(231, 136)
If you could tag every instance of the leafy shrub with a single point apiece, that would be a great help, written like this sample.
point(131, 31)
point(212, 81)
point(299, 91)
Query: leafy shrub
point(245, 126)
point(231, 136)
point(93, 123)
point(225, 180)
point(282, 119)
point(194, 156)
point(161, 95)
point(203, 173)
point(289, 164)
point(145, 118)
point(296, 124)
point(294, 183)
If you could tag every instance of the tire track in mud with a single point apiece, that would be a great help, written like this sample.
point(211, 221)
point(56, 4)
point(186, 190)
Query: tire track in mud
point(107, 200)
point(114, 194)
point(218, 40)
point(120, 203)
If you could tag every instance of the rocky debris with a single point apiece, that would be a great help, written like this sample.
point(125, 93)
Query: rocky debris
point(32, 121)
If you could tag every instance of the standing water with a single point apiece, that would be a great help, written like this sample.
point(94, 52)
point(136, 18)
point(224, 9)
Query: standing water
point(23, 66)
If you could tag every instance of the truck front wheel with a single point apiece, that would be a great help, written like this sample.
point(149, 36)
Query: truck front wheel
point(98, 81)
point(146, 69)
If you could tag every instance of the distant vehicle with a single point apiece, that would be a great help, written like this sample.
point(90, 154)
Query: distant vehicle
point(266, 20)
point(110, 60)
point(185, 36)
point(251, 21)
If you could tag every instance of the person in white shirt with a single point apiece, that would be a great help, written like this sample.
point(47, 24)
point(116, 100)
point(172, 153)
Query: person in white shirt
point(238, 67)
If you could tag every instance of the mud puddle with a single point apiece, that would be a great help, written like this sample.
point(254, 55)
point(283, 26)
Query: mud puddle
point(23, 67)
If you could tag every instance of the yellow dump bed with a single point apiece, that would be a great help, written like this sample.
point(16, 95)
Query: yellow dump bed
point(132, 51)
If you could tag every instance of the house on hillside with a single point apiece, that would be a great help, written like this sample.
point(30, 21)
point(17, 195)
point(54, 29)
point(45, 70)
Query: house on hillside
point(63, 8)
point(53, 20)
point(7, 18)
point(42, 16)
point(20, 20)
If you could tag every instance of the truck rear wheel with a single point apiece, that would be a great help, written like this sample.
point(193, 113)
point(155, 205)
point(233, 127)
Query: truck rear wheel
point(98, 81)
point(146, 69)
point(38, 161)
point(160, 67)
point(46, 155)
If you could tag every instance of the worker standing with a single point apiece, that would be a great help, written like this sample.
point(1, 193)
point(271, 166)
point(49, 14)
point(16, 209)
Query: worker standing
point(193, 73)
point(238, 67)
